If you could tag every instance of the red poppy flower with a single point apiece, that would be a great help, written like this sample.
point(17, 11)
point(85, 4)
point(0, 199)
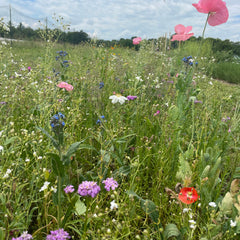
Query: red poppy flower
point(217, 10)
point(182, 33)
point(188, 195)
point(137, 40)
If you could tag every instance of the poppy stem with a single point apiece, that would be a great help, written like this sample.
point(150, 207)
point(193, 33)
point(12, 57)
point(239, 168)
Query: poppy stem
point(205, 26)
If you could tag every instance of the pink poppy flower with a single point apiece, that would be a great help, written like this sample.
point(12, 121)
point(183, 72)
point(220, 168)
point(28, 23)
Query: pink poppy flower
point(65, 85)
point(217, 10)
point(137, 40)
point(182, 33)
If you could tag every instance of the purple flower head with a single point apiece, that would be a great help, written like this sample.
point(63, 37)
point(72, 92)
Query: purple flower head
point(59, 234)
point(88, 188)
point(198, 101)
point(69, 189)
point(24, 236)
point(110, 183)
point(131, 97)
point(29, 69)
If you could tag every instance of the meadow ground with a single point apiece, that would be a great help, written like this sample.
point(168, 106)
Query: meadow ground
point(158, 160)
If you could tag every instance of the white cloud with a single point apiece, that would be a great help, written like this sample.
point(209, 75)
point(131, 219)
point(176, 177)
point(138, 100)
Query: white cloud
point(114, 19)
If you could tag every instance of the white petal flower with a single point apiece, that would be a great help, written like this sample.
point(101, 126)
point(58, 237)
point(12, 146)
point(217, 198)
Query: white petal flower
point(44, 187)
point(1, 148)
point(118, 98)
point(233, 223)
point(186, 210)
point(113, 205)
point(212, 204)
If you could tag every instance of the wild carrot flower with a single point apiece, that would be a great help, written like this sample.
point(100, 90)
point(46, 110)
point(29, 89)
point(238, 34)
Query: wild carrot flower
point(110, 183)
point(88, 188)
point(69, 189)
point(216, 10)
point(136, 41)
point(182, 33)
point(188, 195)
point(59, 234)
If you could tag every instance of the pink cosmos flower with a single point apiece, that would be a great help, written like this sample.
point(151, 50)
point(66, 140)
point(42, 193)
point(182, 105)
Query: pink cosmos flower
point(137, 40)
point(217, 10)
point(182, 33)
point(65, 85)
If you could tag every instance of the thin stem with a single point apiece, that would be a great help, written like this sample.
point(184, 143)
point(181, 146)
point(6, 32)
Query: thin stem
point(59, 180)
point(86, 220)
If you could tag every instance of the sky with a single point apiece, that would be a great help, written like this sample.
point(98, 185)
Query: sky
point(115, 19)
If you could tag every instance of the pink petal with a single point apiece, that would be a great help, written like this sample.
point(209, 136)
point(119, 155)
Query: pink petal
point(188, 29)
point(217, 9)
point(179, 29)
point(137, 40)
point(69, 87)
point(62, 84)
point(221, 15)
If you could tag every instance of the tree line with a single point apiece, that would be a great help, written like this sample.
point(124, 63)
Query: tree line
point(77, 37)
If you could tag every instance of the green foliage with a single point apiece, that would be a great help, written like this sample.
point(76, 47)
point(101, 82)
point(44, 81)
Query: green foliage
point(159, 140)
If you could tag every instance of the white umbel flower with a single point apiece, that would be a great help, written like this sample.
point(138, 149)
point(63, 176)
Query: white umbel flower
point(118, 98)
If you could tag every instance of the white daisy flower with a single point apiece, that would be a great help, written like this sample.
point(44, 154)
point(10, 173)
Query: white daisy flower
point(118, 98)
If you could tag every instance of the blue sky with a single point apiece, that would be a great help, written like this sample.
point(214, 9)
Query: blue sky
point(115, 19)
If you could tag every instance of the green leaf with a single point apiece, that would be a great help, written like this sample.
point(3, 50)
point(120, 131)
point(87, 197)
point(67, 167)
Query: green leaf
point(237, 173)
point(73, 148)
point(53, 140)
point(2, 234)
point(148, 206)
point(80, 207)
point(171, 230)
point(57, 164)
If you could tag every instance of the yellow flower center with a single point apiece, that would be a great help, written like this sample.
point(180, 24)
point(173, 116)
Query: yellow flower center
point(118, 95)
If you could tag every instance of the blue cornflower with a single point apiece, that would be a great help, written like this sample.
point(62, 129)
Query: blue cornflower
point(99, 121)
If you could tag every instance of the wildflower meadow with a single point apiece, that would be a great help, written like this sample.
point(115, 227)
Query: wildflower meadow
point(119, 143)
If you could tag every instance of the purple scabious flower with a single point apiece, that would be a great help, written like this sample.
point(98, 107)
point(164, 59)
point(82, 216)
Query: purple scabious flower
point(110, 183)
point(24, 236)
point(69, 189)
point(88, 188)
point(131, 97)
point(59, 234)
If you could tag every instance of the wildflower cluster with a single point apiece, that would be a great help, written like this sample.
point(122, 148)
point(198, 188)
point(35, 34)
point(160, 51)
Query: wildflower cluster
point(100, 121)
point(91, 189)
point(189, 61)
point(57, 123)
point(61, 55)
point(59, 234)
point(24, 236)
